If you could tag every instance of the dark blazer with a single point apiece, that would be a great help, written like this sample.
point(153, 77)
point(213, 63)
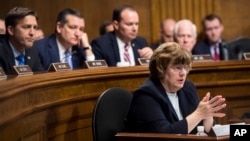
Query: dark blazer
point(49, 53)
point(203, 47)
point(106, 48)
point(156, 45)
point(152, 111)
point(7, 59)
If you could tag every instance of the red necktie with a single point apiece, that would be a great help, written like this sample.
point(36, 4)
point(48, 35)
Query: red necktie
point(216, 54)
point(126, 54)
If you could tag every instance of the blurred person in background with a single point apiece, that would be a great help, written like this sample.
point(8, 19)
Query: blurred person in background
point(166, 32)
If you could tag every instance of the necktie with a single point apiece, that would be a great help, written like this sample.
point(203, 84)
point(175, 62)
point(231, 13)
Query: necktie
point(216, 54)
point(21, 59)
point(68, 58)
point(126, 54)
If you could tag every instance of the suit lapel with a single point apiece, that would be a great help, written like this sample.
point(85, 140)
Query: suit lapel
point(53, 50)
point(77, 57)
point(29, 57)
point(167, 101)
point(172, 109)
point(183, 103)
point(207, 48)
point(134, 47)
point(115, 48)
point(9, 54)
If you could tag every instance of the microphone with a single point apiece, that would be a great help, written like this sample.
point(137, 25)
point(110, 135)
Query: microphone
point(223, 44)
point(72, 53)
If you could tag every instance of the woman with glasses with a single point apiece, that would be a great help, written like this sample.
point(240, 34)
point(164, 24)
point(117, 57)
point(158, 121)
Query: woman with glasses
point(167, 102)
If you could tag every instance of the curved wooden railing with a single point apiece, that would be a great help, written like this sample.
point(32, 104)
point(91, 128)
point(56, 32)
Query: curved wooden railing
point(58, 105)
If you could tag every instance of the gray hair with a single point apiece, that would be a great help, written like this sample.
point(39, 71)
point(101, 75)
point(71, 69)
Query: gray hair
point(185, 22)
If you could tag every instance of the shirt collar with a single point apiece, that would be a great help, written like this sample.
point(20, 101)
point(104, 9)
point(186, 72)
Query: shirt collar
point(15, 52)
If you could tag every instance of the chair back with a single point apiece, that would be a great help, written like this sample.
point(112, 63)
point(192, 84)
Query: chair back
point(237, 47)
point(110, 113)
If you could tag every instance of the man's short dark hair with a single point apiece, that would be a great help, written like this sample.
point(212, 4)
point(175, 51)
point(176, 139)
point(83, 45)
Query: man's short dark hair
point(102, 29)
point(117, 12)
point(16, 14)
point(210, 17)
point(61, 17)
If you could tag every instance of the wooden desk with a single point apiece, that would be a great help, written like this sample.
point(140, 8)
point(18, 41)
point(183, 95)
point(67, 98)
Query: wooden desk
point(166, 137)
point(58, 105)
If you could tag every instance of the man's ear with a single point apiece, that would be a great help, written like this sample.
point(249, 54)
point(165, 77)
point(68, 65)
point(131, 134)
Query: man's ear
point(10, 30)
point(222, 28)
point(115, 24)
point(58, 27)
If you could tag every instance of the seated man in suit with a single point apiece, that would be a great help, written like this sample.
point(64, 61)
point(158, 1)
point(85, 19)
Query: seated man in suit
point(39, 33)
point(185, 33)
point(106, 26)
point(16, 48)
point(166, 32)
point(69, 43)
point(213, 28)
point(123, 45)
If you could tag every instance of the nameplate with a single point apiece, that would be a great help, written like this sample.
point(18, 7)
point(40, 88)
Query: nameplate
point(3, 76)
point(22, 70)
point(202, 57)
point(54, 67)
point(246, 55)
point(239, 132)
point(95, 64)
point(143, 61)
point(222, 130)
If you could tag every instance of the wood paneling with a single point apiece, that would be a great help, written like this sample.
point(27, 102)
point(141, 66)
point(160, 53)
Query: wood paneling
point(193, 10)
point(94, 11)
point(234, 13)
point(236, 18)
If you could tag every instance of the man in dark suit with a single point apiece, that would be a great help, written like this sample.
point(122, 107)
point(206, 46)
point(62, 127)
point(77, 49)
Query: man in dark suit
point(68, 42)
point(106, 26)
point(166, 32)
point(185, 33)
point(123, 45)
point(212, 44)
point(21, 24)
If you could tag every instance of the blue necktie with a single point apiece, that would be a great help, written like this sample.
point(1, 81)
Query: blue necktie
point(68, 58)
point(21, 59)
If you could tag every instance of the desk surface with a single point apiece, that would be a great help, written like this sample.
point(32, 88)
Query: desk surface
point(166, 137)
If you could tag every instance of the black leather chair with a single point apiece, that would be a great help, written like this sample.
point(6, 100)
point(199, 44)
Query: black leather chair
point(110, 112)
point(245, 115)
point(237, 47)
